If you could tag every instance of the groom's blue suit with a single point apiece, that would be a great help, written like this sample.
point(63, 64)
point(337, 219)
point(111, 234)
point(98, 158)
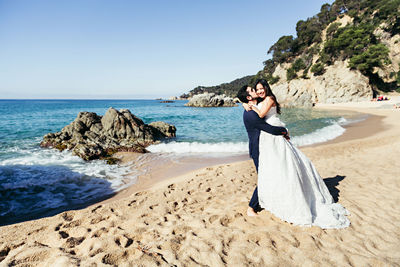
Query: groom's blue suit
point(254, 124)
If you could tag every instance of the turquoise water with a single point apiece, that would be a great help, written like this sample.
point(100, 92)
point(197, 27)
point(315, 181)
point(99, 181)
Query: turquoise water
point(36, 181)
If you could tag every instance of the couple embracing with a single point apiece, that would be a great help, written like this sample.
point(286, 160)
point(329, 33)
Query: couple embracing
point(288, 185)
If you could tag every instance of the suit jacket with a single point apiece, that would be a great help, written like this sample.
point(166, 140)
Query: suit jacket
point(254, 124)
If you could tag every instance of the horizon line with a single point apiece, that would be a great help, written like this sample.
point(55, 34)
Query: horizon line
point(159, 98)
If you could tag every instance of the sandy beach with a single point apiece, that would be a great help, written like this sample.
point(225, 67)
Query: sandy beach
point(199, 218)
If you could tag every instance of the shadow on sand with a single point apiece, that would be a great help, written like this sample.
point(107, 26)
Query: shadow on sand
point(38, 191)
point(331, 183)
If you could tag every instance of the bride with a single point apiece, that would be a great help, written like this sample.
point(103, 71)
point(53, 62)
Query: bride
point(289, 186)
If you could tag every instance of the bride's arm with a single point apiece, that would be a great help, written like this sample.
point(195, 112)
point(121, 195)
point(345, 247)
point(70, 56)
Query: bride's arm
point(266, 105)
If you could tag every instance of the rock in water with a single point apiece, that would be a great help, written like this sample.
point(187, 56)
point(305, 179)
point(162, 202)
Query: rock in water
point(91, 136)
point(163, 129)
point(211, 100)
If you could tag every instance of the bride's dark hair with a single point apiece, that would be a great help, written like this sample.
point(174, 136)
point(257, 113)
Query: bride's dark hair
point(268, 92)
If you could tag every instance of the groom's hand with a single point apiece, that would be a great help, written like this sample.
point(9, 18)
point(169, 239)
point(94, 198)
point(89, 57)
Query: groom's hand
point(246, 106)
point(286, 135)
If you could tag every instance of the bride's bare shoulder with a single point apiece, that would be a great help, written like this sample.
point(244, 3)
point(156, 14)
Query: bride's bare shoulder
point(269, 100)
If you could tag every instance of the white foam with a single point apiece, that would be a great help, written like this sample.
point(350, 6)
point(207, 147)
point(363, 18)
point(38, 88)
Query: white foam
point(45, 179)
point(115, 174)
point(343, 121)
point(196, 147)
point(321, 135)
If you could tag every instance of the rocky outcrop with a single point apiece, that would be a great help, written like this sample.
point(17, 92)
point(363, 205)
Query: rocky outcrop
point(91, 136)
point(393, 43)
point(162, 130)
point(337, 84)
point(211, 100)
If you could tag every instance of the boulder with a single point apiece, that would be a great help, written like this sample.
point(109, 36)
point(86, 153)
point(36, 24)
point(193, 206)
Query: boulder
point(211, 100)
point(162, 129)
point(91, 136)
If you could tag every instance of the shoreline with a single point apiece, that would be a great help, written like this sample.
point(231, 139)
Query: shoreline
point(168, 171)
point(199, 217)
point(143, 176)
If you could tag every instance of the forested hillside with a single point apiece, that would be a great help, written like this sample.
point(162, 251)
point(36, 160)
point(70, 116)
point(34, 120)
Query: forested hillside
point(361, 33)
point(229, 89)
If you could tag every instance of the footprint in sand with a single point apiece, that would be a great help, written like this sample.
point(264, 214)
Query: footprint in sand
point(63, 234)
point(72, 224)
point(96, 208)
point(132, 202)
point(225, 221)
point(123, 241)
point(74, 241)
point(4, 252)
point(98, 219)
point(213, 218)
point(67, 216)
point(99, 232)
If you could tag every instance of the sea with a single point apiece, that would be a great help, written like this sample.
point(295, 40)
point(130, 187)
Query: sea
point(37, 182)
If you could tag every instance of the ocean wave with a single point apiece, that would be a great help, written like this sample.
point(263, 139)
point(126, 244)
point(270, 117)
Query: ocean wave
point(29, 190)
point(115, 174)
point(37, 181)
point(196, 147)
point(321, 135)
point(328, 132)
point(324, 134)
point(360, 118)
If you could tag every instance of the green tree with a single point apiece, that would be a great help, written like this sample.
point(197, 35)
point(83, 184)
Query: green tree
point(398, 82)
point(324, 15)
point(308, 32)
point(269, 66)
point(389, 11)
point(283, 49)
point(298, 65)
point(291, 74)
point(374, 56)
point(272, 79)
point(318, 69)
point(350, 40)
point(332, 29)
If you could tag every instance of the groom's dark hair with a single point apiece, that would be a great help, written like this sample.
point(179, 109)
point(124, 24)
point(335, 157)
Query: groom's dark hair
point(243, 94)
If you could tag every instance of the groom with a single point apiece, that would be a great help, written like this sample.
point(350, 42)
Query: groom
point(254, 124)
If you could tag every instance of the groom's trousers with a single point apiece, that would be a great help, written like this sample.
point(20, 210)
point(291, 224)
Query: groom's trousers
point(254, 198)
point(254, 201)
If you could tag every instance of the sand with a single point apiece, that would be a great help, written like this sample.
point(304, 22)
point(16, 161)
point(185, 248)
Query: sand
point(199, 218)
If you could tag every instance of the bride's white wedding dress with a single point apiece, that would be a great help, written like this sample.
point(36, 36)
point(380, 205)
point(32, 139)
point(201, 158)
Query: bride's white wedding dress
point(290, 187)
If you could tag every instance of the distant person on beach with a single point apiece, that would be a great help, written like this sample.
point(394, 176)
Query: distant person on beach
point(380, 98)
point(254, 124)
point(289, 185)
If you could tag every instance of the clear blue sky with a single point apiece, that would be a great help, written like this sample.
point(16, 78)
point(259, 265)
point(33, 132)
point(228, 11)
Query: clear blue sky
point(136, 49)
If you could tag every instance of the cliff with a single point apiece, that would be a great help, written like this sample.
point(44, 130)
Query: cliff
point(349, 51)
point(338, 82)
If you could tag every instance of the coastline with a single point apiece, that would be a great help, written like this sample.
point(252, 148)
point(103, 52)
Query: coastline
point(199, 216)
point(168, 171)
